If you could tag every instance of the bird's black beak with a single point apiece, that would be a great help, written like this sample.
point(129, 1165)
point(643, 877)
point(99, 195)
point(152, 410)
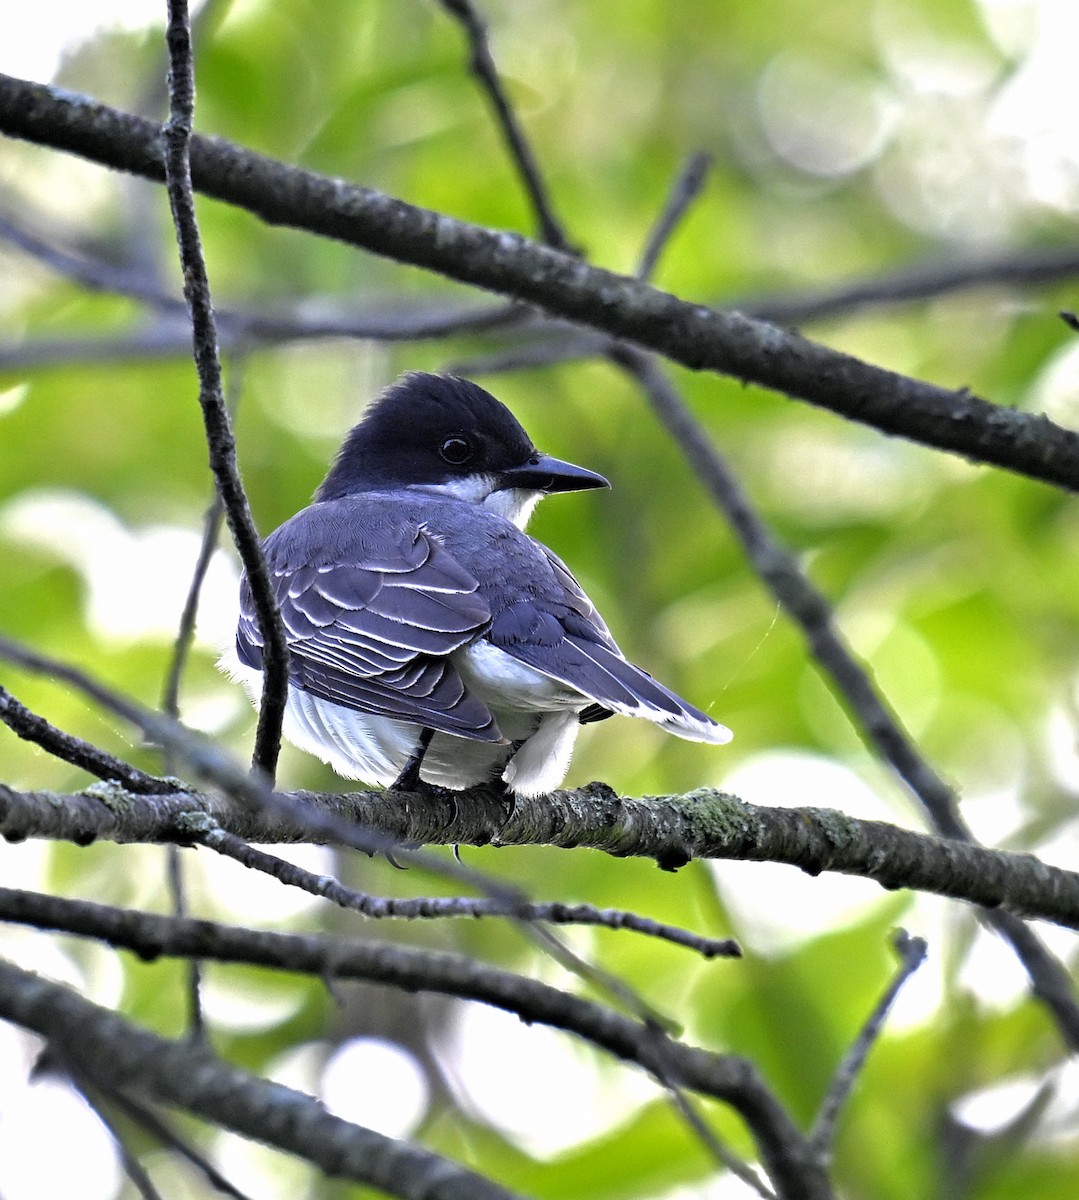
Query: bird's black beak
point(546, 474)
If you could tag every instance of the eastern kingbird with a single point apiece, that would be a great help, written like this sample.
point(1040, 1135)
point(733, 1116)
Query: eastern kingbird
point(430, 638)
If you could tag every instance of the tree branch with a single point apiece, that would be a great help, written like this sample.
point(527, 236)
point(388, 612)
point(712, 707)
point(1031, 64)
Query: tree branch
point(219, 439)
point(671, 830)
point(920, 281)
point(698, 337)
point(868, 709)
point(70, 749)
point(912, 952)
point(162, 1133)
point(120, 1056)
point(441, 907)
point(687, 187)
point(389, 318)
point(724, 1077)
point(483, 68)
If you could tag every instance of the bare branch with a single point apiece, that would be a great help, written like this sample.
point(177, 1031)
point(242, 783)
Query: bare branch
point(671, 830)
point(686, 189)
point(703, 824)
point(161, 1132)
point(133, 1169)
point(922, 281)
point(170, 702)
point(241, 333)
point(211, 531)
point(870, 712)
point(911, 951)
point(70, 749)
point(667, 1073)
point(483, 68)
point(724, 1077)
point(121, 1056)
point(696, 336)
point(222, 446)
point(440, 907)
point(95, 275)
point(387, 318)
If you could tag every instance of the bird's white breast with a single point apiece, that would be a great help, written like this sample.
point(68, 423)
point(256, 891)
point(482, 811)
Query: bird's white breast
point(375, 749)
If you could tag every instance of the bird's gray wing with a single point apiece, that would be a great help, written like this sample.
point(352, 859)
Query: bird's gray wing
point(565, 638)
point(373, 606)
point(575, 599)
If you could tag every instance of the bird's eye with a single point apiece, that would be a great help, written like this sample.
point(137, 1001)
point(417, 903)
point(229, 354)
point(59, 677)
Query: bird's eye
point(455, 451)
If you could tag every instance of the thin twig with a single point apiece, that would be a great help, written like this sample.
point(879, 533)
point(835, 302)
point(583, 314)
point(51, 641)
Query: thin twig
point(917, 282)
point(171, 1140)
point(170, 702)
point(133, 1169)
point(241, 332)
point(911, 952)
point(708, 1137)
point(686, 188)
point(185, 635)
point(483, 68)
point(174, 864)
point(389, 318)
point(177, 138)
point(93, 274)
point(441, 907)
point(70, 749)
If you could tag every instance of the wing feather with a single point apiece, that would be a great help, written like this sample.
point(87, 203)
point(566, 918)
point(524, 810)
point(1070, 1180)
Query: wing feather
point(373, 606)
point(564, 637)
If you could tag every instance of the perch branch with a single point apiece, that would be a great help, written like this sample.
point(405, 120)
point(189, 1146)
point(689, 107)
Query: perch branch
point(671, 830)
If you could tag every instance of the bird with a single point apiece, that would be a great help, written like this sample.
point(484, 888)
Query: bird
point(432, 641)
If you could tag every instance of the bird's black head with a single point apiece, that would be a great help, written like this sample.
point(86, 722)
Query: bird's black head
point(441, 433)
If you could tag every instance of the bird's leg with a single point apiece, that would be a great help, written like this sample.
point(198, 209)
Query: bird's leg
point(409, 779)
point(508, 796)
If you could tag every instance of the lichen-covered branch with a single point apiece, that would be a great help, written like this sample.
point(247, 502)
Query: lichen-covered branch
point(672, 830)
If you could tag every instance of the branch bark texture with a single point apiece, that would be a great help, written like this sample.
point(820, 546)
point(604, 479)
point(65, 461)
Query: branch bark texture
point(725, 1077)
point(121, 1056)
point(672, 830)
point(694, 335)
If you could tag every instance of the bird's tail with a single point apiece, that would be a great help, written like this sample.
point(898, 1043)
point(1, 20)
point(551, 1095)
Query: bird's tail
point(614, 683)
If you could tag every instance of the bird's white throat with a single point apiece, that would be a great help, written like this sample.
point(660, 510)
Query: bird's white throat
point(514, 504)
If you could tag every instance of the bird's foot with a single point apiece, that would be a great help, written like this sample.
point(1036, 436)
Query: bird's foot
point(507, 798)
point(409, 780)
